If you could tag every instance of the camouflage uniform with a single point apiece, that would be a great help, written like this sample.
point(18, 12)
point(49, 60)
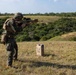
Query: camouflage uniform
point(11, 45)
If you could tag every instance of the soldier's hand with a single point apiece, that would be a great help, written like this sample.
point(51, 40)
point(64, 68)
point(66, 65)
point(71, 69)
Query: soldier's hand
point(23, 25)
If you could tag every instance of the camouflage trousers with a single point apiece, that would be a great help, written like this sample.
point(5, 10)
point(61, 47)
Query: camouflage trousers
point(12, 50)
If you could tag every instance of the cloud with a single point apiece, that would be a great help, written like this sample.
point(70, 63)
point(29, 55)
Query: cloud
point(55, 0)
point(17, 5)
point(10, 0)
point(17, 0)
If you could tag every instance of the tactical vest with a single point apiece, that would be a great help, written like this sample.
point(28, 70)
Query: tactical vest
point(9, 26)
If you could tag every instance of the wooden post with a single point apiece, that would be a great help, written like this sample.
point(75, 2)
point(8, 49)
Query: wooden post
point(40, 49)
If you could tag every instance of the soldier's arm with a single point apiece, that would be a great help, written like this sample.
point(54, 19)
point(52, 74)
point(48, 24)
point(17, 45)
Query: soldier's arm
point(13, 28)
point(23, 25)
point(4, 26)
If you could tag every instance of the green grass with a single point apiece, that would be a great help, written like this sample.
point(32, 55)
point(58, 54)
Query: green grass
point(65, 37)
point(59, 59)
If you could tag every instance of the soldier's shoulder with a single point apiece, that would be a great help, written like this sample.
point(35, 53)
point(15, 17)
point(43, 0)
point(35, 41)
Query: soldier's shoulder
point(8, 20)
point(11, 20)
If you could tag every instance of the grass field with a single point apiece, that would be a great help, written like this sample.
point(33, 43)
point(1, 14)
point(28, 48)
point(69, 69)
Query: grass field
point(43, 19)
point(59, 59)
point(65, 37)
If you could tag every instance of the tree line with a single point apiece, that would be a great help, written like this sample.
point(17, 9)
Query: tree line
point(68, 14)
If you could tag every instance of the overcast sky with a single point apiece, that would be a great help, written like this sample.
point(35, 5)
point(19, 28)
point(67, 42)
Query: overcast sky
point(37, 6)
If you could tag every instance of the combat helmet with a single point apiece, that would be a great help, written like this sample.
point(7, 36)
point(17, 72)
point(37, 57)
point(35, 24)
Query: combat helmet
point(18, 16)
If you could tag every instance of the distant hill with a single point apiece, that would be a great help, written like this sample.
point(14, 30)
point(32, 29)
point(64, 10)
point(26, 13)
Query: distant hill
point(65, 37)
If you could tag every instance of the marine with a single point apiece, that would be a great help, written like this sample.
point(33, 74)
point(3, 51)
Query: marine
point(11, 27)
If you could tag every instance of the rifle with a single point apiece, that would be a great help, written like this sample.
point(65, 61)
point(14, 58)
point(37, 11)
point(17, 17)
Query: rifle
point(28, 21)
